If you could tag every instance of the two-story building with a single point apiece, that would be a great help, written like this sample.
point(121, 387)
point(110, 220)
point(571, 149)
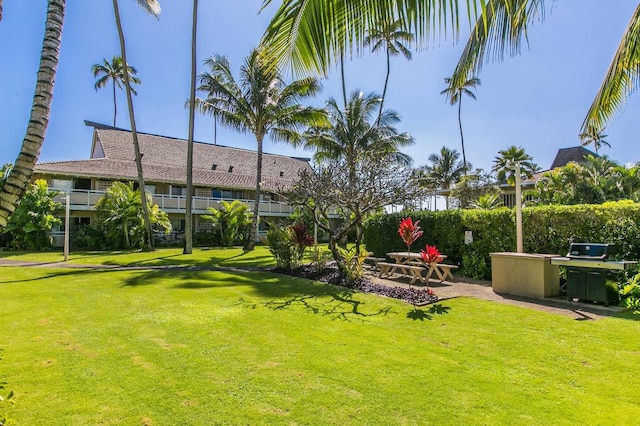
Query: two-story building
point(219, 173)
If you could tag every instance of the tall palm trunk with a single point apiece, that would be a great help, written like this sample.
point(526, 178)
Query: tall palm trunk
point(188, 219)
point(0, 10)
point(344, 83)
point(384, 89)
point(464, 157)
point(20, 176)
point(251, 241)
point(134, 133)
point(115, 105)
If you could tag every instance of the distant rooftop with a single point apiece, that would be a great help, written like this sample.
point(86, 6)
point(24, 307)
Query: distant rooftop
point(567, 155)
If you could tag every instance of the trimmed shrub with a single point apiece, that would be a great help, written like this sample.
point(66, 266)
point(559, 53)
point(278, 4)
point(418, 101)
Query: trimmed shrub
point(546, 229)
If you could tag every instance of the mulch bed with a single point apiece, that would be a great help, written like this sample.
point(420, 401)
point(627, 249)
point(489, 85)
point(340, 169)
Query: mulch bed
point(331, 275)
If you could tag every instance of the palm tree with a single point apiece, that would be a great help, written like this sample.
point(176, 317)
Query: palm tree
point(231, 219)
point(594, 136)
point(259, 102)
point(445, 170)
point(113, 71)
point(390, 36)
point(121, 208)
point(454, 94)
point(505, 164)
point(620, 81)
point(487, 202)
point(357, 132)
point(18, 179)
point(188, 225)
point(152, 7)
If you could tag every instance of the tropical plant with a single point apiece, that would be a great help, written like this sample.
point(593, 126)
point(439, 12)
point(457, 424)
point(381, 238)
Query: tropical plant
point(120, 210)
point(504, 165)
point(444, 171)
point(18, 179)
point(230, 221)
point(30, 224)
point(288, 243)
point(593, 136)
point(475, 184)
point(390, 36)
point(355, 133)
point(409, 231)
point(487, 202)
point(258, 102)
point(430, 255)
point(188, 216)
point(152, 7)
point(113, 71)
point(455, 92)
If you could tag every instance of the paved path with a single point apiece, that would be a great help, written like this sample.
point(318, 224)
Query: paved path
point(461, 287)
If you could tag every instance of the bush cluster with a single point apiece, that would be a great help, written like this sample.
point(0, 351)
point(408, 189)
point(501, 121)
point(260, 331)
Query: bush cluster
point(546, 229)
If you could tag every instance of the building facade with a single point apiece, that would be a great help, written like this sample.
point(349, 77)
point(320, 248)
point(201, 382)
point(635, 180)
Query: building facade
point(219, 173)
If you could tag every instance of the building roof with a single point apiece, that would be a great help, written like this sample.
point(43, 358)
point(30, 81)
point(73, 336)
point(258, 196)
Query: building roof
point(164, 160)
point(567, 155)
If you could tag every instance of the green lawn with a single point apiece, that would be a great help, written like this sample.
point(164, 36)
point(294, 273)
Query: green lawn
point(200, 347)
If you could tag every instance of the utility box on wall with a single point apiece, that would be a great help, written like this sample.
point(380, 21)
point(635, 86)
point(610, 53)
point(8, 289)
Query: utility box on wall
point(525, 274)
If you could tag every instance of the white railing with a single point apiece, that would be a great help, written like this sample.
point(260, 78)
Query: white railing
point(87, 199)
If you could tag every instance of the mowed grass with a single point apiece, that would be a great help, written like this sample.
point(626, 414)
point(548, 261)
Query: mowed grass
point(167, 256)
point(158, 347)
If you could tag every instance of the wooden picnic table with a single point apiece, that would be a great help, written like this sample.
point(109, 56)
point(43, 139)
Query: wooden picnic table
point(412, 265)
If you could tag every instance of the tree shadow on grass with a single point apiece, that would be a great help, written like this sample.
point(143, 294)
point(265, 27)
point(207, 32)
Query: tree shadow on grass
point(331, 301)
point(57, 273)
point(422, 314)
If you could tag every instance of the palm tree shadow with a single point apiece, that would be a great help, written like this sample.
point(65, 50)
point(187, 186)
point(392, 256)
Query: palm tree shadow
point(421, 315)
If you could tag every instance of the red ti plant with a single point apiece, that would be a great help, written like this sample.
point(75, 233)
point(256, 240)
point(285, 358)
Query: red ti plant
point(301, 237)
point(409, 232)
point(430, 255)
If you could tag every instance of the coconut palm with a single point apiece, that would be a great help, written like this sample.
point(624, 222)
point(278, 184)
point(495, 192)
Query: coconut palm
point(259, 102)
point(487, 202)
point(188, 224)
point(445, 170)
point(390, 36)
point(152, 7)
point(454, 94)
point(18, 179)
point(505, 164)
point(113, 71)
point(358, 132)
point(594, 136)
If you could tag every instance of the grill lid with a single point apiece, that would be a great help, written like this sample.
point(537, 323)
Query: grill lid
point(595, 251)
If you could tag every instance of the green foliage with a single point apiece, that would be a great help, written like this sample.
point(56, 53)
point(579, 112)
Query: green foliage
point(4, 173)
point(546, 229)
point(120, 211)
point(353, 263)
point(475, 266)
point(630, 293)
point(319, 259)
point(231, 222)
point(89, 237)
point(282, 247)
point(30, 224)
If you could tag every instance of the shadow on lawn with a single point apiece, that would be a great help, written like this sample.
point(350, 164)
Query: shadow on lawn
point(421, 314)
point(57, 274)
point(331, 301)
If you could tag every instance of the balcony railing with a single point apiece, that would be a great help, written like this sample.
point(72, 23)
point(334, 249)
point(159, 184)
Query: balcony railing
point(87, 199)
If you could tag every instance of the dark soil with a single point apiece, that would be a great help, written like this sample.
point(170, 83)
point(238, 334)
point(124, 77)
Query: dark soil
point(331, 275)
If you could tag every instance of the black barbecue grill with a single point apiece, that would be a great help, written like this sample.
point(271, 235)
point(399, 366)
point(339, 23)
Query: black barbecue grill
point(590, 271)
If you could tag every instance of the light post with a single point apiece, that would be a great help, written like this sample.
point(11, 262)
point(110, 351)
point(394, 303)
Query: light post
point(519, 245)
point(66, 228)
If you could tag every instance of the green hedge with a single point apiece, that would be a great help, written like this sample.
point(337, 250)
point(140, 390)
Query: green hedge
point(546, 229)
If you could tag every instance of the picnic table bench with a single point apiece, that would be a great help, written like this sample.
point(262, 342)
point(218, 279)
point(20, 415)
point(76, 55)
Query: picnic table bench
point(412, 266)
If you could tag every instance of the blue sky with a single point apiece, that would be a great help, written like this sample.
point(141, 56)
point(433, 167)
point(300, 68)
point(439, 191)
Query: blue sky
point(536, 100)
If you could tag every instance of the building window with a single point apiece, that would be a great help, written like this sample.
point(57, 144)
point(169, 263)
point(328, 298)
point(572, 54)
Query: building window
point(227, 194)
point(84, 184)
point(178, 190)
point(151, 189)
point(62, 184)
point(177, 225)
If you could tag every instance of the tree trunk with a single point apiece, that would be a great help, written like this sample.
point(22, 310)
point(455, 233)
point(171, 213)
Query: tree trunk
point(188, 220)
point(22, 171)
point(344, 83)
point(115, 105)
point(251, 241)
point(384, 90)
point(134, 133)
point(464, 157)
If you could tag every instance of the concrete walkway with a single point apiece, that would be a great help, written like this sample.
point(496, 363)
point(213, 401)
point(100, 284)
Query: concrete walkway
point(465, 287)
point(460, 287)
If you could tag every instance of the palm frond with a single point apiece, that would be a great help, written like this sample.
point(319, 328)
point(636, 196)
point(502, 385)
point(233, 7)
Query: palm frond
point(152, 7)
